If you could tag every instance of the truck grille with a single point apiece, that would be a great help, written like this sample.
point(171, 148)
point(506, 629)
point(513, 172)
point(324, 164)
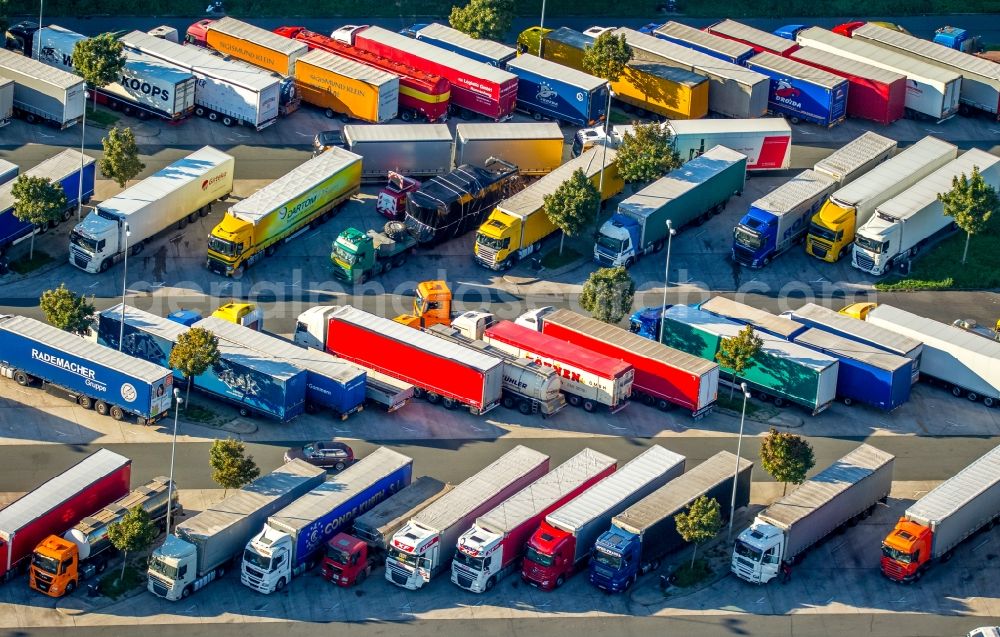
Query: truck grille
point(398, 576)
point(42, 582)
point(486, 256)
point(742, 256)
point(819, 249)
point(159, 588)
point(216, 266)
point(339, 273)
point(464, 580)
point(863, 261)
point(892, 570)
point(80, 259)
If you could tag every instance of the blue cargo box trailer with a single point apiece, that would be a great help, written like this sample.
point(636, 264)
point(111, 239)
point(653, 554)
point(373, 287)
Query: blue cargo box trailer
point(548, 89)
point(255, 385)
point(64, 169)
point(113, 383)
point(704, 42)
point(801, 92)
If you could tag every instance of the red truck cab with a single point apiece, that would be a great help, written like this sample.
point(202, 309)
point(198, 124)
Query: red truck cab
point(905, 551)
point(548, 558)
point(348, 560)
point(197, 33)
point(847, 28)
point(391, 200)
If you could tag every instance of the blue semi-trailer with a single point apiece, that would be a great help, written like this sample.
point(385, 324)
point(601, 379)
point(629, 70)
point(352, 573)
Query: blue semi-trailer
point(547, 89)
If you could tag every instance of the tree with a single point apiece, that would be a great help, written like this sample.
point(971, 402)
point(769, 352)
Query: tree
point(134, 532)
point(196, 350)
point(787, 457)
point(737, 352)
point(646, 153)
point(99, 60)
point(121, 156)
point(608, 294)
point(38, 201)
point(971, 202)
point(489, 19)
point(67, 310)
point(700, 523)
point(570, 205)
point(607, 56)
point(231, 467)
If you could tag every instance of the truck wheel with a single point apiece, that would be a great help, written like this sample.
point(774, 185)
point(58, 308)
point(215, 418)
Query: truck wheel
point(956, 392)
point(433, 398)
point(766, 262)
point(589, 405)
point(848, 401)
point(972, 396)
point(117, 413)
point(449, 403)
point(101, 565)
point(280, 585)
point(70, 588)
point(629, 262)
point(105, 265)
point(85, 401)
point(490, 583)
point(22, 379)
point(779, 402)
point(269, 250)
point(509, 402)
point(524, 407)
point(101, 407)
point(186, 592)
point(560, 581)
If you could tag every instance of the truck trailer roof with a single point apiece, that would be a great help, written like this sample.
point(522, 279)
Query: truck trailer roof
point(532, 198)
point(760, 319)
point(347, 67)
point(922, 326)
point(952, 494)
point(785, 197)
point(499, 131)
point(925, 192)
point(548, 68)
point(852, 156)
point(394, 133)
point(963, 62)
point(684, 127)
point(487, 48)
point(244, 31)
point(705, 39)
point(42, 72)
point(752, 36)
point(811, 55)
point(785, 66)
point(549, 346)
point(834, 344)
point(864, 330)
point(55, 168)
point(401, 506)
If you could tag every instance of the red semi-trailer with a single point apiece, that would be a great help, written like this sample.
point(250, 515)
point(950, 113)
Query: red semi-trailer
point(443, 371)
point(873, 93)
point(761, 41)
point(420, 92)
point(664, 376)
point(58, 505)
point(475, 87)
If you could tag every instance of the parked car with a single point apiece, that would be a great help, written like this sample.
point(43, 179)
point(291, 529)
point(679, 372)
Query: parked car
point(327, 139)
point(326, 454)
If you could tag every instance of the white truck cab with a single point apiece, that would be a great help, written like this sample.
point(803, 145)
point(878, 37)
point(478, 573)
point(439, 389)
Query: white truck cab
point(478, 560)
point(473, 324)
point(758, 553)
point(310, 328)
point(94, 242)
point(614, 239)
point(173, 570)
point(533, 319)
point(414, 553)
point(267, 561)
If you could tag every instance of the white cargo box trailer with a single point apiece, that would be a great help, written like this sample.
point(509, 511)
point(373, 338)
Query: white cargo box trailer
point(413, 150)
point(856, 158)
point(766, 141)
point(228, 91)
point(43, 93)
point(930, 90)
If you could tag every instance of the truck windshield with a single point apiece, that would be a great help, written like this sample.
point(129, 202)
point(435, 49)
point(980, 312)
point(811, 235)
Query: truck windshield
point(896, 554)
point(337, 555)
point(611, 561)
point(871, 245)
point(82, 242)
point(537, 557)
point(221, 246)
point(157, 565)
point(405, 558)
point(345, 256)
point(821, 232)
point(256, 559)
point(490, 242)
point(612, 245)
point(47, 564)
point(747, 237)
point(475, 563)
point(749, 552)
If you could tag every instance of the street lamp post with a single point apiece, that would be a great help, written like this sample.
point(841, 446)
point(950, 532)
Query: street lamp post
point(604, 156)
point(38, 34)
point(121, 331)
point(79, 191)
point(666, 273)
point(541, 25)
point(173, 445)
point(739, 448)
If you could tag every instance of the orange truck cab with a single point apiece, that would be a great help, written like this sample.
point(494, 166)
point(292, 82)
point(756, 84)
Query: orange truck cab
point(550, 557)
point(906, 551)
point(55, 567)
point(431, 307)
point(348, 560)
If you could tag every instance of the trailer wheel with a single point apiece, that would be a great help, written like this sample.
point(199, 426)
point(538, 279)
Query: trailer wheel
point(449, 403)
point(406, 115)
point(399, 259)
point(101, 565)
point(117, 413)
point(509, 402)
point(101, 407)
point(22, 379)
point(30, 118)
point(433, 398)
point(524, 407)
point(589, 405)
point(137, 248)
point(199, 111)
point(956, 392)
point(193, 217)
point(663, 404)
point(227, 121)
point(203, 212)
point(419, 392)
point(537, 116)
point(647, 400)
point(85, 401)
point(387, 266)
point(848, 401)
point(182, 222)
point(972, 396)
point(989, 401)
point(779, 402)
point(245, 412)
point(794, 120)
point(573, 400)
point(213, 116)
point(763, 397)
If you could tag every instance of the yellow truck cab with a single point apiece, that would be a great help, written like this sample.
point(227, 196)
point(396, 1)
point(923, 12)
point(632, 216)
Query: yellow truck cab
point(858, 310)
point(831, 231)
point(530, 40)
point(431, 307)
point(245, 314)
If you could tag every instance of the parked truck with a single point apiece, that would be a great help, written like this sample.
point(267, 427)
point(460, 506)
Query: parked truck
point(73, 172)
point(6, 106)
point(360, 256)
point(202, 548)
point(964, 363)
point(307, 196)
point(147, 87)
point(60, 563)
point(688, 195)
point(564, 541)
point(351, 557)
point(339, 85)
point(874, 93)
point(759, 41)
point(643, 534)
point(495, 543)
point(171, 197)
point(980, 84)
point(485, 51)
point(417, 150)
point(227, 91)
point(932, 92)
point(249, 43)
point(253, 384)
point(861, 332)
point(958, 39)
point(426, 544)
point(476, 88)
point(705, 42)
point(761, 320)
point(518, 225)
point(883, 242)
point(331, 383)
point(292, 539)
point(802, 92)
point(549, 90)
point(847, 490)
point(450, 205)
point(535, 148)
point(391, 200)
point(833, 227)
point(588, 379)
point(783, 371)
point(87, 373)
point(443, 372)
point(664, 376)
point(55, 506)
point(934, 526)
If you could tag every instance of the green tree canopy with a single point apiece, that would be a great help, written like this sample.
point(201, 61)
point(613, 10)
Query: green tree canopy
point(39, 201)
point(607, 56)
point(737, 353)
point(231, 466)
point(67, 310)
point(646, 153)
point(786, 457)
point(99, 60)
point(971, 202)
point(572, 204)
point(134, 532)
point(196, 350)
point(699, 523)
point(120, 161)
point(488, 19)
point(608, 294)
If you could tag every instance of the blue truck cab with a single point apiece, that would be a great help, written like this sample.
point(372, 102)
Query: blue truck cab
point(789, 31)
point(650, 28)
point(616, 560)
point(754, 238)
point(958, 39)
point(646, 322)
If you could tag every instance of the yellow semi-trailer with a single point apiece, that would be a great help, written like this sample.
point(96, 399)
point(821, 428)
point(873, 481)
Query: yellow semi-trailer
point(536, 148)
point(517, 226)
point(345, 87)
point(307, 196)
